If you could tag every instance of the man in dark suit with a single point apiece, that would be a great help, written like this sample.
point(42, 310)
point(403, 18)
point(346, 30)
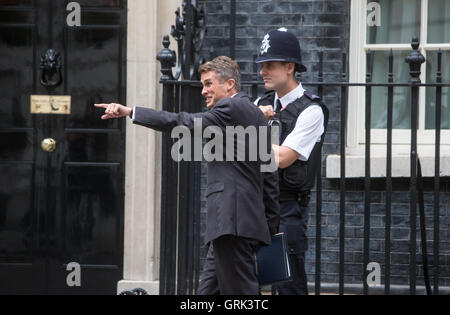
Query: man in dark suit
point(242, 202)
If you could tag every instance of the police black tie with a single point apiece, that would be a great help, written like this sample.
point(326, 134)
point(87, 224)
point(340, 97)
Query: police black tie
point(278, 118)
point(279, 106)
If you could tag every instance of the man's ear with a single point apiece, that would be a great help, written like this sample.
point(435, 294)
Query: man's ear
point(231, 85)
point(291, 68)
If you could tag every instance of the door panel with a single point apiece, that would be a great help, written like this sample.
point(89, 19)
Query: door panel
point(17, 212)
point(64, 206)
point(92, 146)
point(90, 214)
point(101, 78)
point(21, 260)
point(19, 144)
point(16, 75)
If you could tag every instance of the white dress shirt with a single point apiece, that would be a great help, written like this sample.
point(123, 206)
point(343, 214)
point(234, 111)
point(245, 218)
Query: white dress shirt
point(309, 127)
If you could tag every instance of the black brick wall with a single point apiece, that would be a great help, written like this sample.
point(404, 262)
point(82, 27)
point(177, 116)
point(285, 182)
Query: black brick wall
point(323, 25)
point(319, 25)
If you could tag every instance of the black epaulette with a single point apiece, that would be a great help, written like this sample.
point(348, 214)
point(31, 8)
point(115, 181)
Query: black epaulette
point(312, 97)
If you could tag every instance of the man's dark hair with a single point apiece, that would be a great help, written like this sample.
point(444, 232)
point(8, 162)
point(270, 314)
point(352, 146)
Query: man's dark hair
point(225, 68)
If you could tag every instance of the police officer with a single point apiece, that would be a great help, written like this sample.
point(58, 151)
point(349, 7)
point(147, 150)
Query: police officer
point(302, 119)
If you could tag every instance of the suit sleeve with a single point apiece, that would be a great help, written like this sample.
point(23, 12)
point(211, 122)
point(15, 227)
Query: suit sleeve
point(271, 195)
point(164, 121)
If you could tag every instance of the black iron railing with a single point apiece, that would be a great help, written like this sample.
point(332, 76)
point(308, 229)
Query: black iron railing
point(180, 209)
point(180, 197)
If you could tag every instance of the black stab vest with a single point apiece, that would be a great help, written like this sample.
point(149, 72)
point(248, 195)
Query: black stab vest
point(299, 177)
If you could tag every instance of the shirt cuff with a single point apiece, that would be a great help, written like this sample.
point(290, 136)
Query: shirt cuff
point(303, 154)
point(133, 114)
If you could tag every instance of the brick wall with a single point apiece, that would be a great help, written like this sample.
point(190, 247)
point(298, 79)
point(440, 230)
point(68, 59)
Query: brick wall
point(319, 25)
point(323, 25)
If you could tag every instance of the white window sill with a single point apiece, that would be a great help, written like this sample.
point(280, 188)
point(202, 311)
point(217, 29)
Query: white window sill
point(355, 166)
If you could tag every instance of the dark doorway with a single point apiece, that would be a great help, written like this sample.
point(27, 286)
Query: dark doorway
point(66, 205)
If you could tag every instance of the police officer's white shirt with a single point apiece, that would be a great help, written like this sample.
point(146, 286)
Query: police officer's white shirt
point(309, 127)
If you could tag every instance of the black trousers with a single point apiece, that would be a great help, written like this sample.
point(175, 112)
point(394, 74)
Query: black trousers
point(229, 268)
point(294, 222)
point(299, 285)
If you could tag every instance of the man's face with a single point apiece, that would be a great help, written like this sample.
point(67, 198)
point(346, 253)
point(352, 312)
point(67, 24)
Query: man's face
point(213, 90)
point(276, 74)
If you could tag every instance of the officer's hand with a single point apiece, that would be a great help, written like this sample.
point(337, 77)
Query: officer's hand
point(267, 111)
point(114, 110)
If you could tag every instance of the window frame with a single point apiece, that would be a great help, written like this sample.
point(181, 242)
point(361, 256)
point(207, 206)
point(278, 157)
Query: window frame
point(356, 100)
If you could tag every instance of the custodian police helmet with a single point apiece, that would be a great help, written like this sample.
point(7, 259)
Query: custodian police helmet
point(281, 45)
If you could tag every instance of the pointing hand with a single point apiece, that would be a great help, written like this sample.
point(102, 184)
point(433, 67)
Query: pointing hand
point(114, 110)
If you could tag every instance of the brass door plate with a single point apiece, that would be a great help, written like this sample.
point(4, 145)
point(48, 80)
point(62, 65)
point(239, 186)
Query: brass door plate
point(51, 104)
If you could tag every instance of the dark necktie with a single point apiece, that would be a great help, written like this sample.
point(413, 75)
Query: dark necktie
point(279, 106)
point(276, 121)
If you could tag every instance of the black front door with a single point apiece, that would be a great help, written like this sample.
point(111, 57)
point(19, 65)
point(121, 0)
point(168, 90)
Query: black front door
point(65, 206)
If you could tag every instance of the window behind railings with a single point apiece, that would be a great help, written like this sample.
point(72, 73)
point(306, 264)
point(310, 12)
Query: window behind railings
point(391, 25)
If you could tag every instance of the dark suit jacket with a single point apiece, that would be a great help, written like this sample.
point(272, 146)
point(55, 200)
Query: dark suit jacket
point(241, 200)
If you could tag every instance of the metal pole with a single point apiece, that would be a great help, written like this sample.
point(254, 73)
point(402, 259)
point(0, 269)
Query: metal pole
point(437, 175)
point(415, 60)
point(367, 188)
point(233, 29)
point(387, 260)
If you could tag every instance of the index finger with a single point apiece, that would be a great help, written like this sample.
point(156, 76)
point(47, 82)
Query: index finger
point(101, 105)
